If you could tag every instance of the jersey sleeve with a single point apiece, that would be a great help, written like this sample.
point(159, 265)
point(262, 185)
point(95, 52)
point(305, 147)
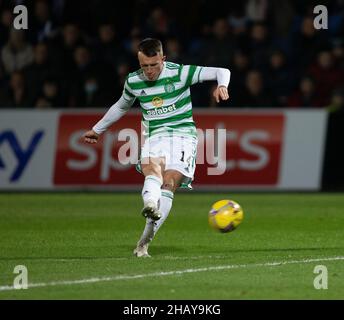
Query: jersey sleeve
point(128, 93)
point(222, 75)
point(192, 76)
point(116, 111)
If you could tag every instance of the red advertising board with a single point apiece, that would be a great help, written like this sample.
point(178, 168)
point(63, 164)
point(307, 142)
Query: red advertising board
point(247, 153)
point(77, 163)
point(253, 148)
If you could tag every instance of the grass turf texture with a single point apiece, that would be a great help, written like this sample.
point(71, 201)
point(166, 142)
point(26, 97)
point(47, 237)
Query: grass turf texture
point(71, 236)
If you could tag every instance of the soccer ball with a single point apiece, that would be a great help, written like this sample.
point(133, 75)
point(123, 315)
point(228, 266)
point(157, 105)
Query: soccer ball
point(225, 215)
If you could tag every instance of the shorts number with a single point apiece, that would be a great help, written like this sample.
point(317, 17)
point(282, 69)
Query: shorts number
point(182, 158)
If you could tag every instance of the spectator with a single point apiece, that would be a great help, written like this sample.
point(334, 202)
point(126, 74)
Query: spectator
point(282, 14)
point(305, 95)
point(219, 47)
point(78, 73)
point(280, 78)
point(338, 54)
point(174, 51)
point(15, 95)
point(239, 24)
point(17, 53)
point(239, 71)
point(108, 47)
point(337, 101)
point(257, 10)
point(91, 94)
point(259, 46)
point(237, 35)
point(256, 94)
point(326, 75)
point(65, 44)
point(158, 24)
point(307, 44)
point(39, 70)
point(131, 54)
point(42, 27)
point(122, 73)
point(89, 80)
point(5, 26)
point(50, 97)
point(238, 21)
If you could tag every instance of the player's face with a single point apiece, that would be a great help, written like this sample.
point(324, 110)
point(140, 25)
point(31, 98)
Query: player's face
point(151, 66)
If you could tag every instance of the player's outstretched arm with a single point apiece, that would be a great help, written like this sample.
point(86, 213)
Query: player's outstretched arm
point(222, 75)
point(112, 115)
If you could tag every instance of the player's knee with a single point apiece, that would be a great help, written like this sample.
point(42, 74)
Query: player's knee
point(168, 186)
point(170, 182)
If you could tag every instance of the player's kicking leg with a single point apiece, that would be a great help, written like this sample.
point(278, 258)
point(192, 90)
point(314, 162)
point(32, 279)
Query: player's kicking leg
point(171, 180)
point(151, 193)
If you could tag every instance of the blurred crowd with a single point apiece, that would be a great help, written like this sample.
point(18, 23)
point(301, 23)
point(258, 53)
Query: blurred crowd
point(77, 53)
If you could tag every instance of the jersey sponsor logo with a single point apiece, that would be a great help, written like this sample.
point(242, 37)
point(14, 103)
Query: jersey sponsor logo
point(162, 110)
point(157, 102)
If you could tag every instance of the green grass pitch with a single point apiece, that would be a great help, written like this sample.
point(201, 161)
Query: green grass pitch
point(79, 246)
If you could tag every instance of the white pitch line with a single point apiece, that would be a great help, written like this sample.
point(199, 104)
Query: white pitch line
point(131, 258)
point(170, 273)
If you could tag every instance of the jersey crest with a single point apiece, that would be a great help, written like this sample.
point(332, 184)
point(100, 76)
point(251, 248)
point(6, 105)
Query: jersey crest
point(169, 86)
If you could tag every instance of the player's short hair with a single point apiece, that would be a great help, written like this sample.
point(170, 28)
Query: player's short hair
point(150, 47)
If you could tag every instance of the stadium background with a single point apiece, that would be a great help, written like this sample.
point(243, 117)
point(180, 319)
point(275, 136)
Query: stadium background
point(285, 126)
point(75, 55)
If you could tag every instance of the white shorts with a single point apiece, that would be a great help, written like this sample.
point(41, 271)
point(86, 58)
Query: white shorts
point(179, 153)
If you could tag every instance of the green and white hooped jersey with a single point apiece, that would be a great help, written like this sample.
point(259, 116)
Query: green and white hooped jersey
point(165, 103)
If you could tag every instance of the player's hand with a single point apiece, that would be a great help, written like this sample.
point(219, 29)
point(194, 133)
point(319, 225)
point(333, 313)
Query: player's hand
point(220, 93)
point(91, 137)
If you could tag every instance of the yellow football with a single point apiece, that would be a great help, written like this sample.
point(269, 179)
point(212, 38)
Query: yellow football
point(225, 215)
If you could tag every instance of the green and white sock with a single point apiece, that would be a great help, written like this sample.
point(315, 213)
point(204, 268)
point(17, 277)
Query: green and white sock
point(151, 190)
point(164, 207)
point(152, 227)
